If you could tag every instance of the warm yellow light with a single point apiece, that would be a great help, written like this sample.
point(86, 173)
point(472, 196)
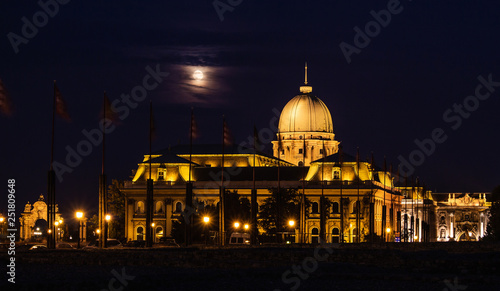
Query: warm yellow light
point(79, 214)
point(49, 231)
point(56, 223)
point(153, 224)
point(206, 219)
point(1, 219)
point(98, 231)
point(60, 221)
point(236, 224)
point(415, 237)
point(198, 75)
point(246, 226)
point(108, 217)
point(291, 222)
point(388, 229)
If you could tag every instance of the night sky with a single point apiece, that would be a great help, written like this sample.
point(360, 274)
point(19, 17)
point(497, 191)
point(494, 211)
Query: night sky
point(395, 89)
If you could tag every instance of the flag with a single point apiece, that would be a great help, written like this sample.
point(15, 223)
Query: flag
point(228, 139)
point(5, 103)
point(194, 127)
point(152, 126)
point(60, 104)
point(107, 112)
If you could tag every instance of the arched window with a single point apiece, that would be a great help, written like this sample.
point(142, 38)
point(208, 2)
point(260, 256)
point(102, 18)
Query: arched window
point(442, 220)
point(336, 175)
point(443, 233)
point(140, 233)
point(315, 207)
point(335, 235)
point(178, 207)
point(158, 233)
point(315, 235)
point(140, 207)
point(159, 207)
point(301, 164)
point(335, 207)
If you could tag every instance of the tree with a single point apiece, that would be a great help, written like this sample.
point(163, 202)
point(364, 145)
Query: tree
point(493, 229)
point(289, 205)
point(235, 209)
point(116, 208)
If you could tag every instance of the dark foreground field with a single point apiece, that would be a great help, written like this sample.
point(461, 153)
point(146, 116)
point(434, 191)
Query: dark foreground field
point(452, 266)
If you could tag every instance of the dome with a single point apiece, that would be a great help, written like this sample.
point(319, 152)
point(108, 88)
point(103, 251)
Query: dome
point(305, 113)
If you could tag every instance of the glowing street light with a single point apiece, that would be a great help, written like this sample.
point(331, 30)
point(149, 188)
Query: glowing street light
point(98, 231)
point(246, 226)
point(388, 230)
point(206, 220)
point(236, 225)
point(291, 223)
point(79, 215)
point(107, 218)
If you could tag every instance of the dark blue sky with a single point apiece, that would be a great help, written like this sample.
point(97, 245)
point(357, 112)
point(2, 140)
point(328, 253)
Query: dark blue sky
point(394, 91)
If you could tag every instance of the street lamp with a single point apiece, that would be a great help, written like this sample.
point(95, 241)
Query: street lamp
point(57, 228)
point(107, 218)
point(236, 225)
point(291, 223)
point(206, 220)
point(1, 224)
point(246, 226)
point(79, 215)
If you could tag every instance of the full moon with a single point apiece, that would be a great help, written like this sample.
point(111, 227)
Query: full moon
point(198, 75)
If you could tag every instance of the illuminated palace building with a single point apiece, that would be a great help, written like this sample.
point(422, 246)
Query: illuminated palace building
point(360, 201)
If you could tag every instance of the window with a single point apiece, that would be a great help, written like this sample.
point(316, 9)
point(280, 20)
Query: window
point(140, 207)
point(335, 235)
point(315, 207)
point(315, 236)
point(443, 233)
point(282, 152)
point(335, 207)
point(159, 207)
point(442, 220)
point(161, 175)
point(300, 151)
point(320, 151)
point(140, 233)
point(336, 175)
point(178, 207)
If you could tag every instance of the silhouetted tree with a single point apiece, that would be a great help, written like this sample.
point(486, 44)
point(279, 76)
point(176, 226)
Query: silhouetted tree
point(289, 209)
point(493, 229)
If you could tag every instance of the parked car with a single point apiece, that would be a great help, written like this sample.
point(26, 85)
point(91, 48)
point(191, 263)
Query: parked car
point(238, 238)
point(38, 247)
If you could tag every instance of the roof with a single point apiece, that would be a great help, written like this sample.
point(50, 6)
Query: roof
point(209, 149)
point(335, 159)
point(246, 174)
point(170, 159)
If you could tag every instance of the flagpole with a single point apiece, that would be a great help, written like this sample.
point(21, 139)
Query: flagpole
point(102, 183)
point(221, 197)
point(254, 206)
point(341, 197)
point(322, 201)
point(51, 180)
point(357, 202)
point(189, 184)
point(149, 193)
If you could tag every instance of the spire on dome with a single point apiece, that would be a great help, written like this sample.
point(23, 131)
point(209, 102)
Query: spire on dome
point(306, 89)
